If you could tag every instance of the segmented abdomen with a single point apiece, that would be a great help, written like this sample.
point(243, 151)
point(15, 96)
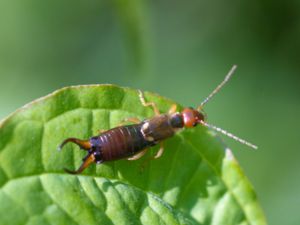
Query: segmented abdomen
point(122, 142)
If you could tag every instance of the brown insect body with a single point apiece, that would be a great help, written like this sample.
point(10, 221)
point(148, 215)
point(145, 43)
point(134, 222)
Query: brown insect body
point(125, 141)
point(120, 142)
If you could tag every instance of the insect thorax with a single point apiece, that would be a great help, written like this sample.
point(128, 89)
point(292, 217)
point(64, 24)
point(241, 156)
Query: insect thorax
point(157, 128)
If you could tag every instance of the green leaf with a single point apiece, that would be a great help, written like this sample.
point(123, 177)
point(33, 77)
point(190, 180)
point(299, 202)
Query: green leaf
point(196, 181)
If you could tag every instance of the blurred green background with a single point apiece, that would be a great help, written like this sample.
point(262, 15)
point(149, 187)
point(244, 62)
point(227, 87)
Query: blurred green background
point(181, 50)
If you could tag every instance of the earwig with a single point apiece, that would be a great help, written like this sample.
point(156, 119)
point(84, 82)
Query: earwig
point(133, 141)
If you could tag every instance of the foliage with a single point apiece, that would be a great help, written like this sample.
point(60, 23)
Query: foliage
point(196, 181)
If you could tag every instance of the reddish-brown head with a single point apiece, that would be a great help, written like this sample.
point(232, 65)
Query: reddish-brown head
point(191, 117)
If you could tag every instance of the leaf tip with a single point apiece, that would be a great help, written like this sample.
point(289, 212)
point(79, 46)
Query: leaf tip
point(229, 154)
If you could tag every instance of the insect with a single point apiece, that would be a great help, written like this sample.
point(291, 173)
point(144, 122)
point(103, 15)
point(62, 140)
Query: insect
point(133, 141)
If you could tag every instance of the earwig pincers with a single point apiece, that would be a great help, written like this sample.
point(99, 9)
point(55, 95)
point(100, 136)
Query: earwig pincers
point(133, 141)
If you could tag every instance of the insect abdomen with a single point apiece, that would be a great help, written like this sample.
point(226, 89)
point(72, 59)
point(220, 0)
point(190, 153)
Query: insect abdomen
point(122, 142)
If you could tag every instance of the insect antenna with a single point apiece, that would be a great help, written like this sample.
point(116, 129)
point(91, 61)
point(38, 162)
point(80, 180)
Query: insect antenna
point(218, 129)
point(218, 88)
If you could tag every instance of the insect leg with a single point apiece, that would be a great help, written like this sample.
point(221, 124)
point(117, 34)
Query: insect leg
point(152, 104)
point(173, 109)
point(131, 119)
point(90, 158)
point(100, 131)
point(159, 152)
point(156, 156)
point(139, 155)
point(83, 144)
